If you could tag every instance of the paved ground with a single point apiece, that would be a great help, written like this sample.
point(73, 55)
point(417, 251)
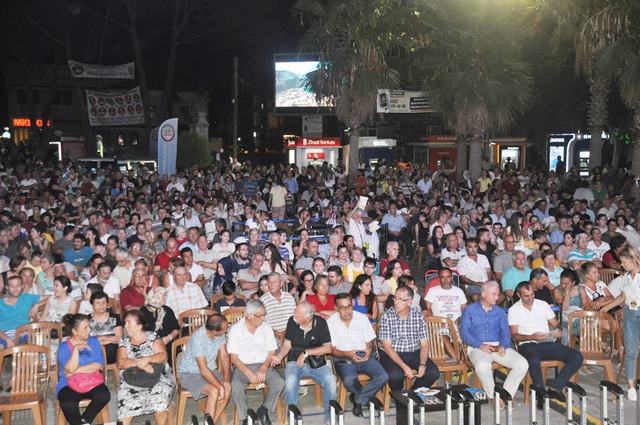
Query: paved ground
point(313, 415)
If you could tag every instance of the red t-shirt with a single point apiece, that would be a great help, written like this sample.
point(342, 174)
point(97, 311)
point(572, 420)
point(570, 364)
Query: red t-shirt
point(163, 259)
point(329, 305)
point(131, 297)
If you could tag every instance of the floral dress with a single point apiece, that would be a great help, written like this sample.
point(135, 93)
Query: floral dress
point(136, 401)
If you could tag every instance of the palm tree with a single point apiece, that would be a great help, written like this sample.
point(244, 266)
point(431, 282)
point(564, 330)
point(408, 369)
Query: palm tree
point(617, 27)
point(474, 73)
point(351, 38)
point(574, 27)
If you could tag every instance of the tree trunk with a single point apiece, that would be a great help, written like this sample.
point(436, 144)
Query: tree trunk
point(475, 156)
point(635, 163)
point(142, 76)
point(167, 90)
point(354, 154)
point(461, 156)
point(599, 90)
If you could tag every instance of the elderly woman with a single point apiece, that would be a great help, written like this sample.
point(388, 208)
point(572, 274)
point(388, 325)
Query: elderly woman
point(133, 296)
point(79, 358)
point(142, 356)
point(159, 318)
point(105, 325)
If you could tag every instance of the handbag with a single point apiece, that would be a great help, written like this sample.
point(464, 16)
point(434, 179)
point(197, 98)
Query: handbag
point(141, 378)
point(315, 362)
point(84, 382)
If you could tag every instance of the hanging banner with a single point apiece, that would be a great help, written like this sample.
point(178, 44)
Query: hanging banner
point(402, 102)
point(167, 147)
point(115, 108)
point(85, 70)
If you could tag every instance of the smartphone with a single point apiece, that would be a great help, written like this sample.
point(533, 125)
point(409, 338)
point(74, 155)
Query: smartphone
point(361, 353)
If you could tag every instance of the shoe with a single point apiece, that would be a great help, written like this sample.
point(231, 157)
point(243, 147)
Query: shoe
point(540, 403)
point(632, 394)
point(357, 407)
point(245, 421)
point(557, 395)
point(263, 415)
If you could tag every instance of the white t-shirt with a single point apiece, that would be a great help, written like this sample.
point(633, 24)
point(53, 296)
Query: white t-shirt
point(196, 270)
point(446, 302)
point(457, 255)
point(599, 250)
point(531, 321)
point(251, 348)
point(474, 270)
point(352, 337)
point(111, 288)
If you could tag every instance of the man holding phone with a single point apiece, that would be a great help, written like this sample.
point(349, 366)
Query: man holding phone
point(352, 347)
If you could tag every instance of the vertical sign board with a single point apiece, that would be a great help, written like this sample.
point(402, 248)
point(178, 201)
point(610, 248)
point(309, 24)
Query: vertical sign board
point(167, 147)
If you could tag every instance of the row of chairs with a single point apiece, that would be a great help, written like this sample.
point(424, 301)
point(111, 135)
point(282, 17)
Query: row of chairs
point(31, 363)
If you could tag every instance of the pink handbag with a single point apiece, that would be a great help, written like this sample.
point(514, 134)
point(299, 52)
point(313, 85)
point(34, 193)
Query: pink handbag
point(84, 382)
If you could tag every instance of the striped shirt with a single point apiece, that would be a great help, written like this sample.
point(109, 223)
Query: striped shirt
point(278, 312)
point(578, 256)
point(189, 298)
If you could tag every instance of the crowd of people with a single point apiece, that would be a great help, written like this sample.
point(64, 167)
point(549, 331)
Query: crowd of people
point(320, 272)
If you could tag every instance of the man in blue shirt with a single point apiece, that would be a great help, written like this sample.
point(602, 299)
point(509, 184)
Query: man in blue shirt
point(485, 330)
point(516, 274)
point(78, 254)
point(16, 309)
point(396, 224)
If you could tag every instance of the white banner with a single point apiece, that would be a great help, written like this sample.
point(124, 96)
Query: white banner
point(86, 70)
point(115, 108)
point(402, 102)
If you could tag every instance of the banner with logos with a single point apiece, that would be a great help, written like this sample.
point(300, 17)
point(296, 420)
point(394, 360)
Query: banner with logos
point(315, 142)
point(402, 102)
point(85, 70)
point(167, 147)
point(115, 108)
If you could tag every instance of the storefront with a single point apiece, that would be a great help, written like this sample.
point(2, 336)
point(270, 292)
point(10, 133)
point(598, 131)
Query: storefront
point(441, 151)
point(573, 149)
point(374, 150)
point(509, 152)
point(305, 151)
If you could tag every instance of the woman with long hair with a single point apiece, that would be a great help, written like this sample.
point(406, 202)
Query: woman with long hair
point(630, 297)
point(364, 300)
point(435, 245)
point(392, 274)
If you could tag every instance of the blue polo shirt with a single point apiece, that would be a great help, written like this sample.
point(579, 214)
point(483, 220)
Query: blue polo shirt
point(14, 316)
point(78, 258)
point(512, 276)
point(478, 326)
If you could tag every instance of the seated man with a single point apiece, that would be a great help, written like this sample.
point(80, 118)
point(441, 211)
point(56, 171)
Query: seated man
point(352, 339)
point(248, 278)
point(184, 295)
point(484, 328)
point(403, 333)
point(450, 255)
point(516, 274)
point(198, 369)
point(16, 309)
point(536, 328)
point(251, 345)
point(336, 282)
point(278, 304)
point(307, 340)
point(474, 269)
point(582, 254)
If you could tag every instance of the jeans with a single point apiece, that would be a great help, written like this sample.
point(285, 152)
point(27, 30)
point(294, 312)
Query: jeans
point(322, 375)
point(412, 359)
point(631, 339)
point(535, 353)
point(348, 372)
point(70, 403)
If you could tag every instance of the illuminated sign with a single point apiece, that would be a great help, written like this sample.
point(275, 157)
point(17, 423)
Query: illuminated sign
point(315, 142)
point(26, 122)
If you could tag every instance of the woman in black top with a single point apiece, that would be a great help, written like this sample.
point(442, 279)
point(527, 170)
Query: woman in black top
point(105, 325)
point(434, 246)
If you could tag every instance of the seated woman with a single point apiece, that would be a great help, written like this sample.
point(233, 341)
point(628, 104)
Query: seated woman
point(364, 300)
point(61, 302)
point(159, 318)
point(322, 300)
point(263, 288)
point(569, 292)
point(143, 350)
point(230, 299)
point(306, 285)
point(133, 296)
point(80, 359)
point(105, 325)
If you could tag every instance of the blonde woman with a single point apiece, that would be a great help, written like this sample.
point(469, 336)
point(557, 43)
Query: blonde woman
point(630, 297)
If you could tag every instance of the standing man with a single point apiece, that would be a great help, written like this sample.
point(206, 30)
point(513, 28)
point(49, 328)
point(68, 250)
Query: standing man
point(198, 369)
point(278, 200)
point(307, 340)
point(403, 333)
point(251, 345)
point(484, 328)
point(352, 347)
point(535, 327)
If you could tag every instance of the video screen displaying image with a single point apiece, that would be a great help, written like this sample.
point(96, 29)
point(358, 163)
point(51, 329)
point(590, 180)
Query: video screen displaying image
point(290, 90)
